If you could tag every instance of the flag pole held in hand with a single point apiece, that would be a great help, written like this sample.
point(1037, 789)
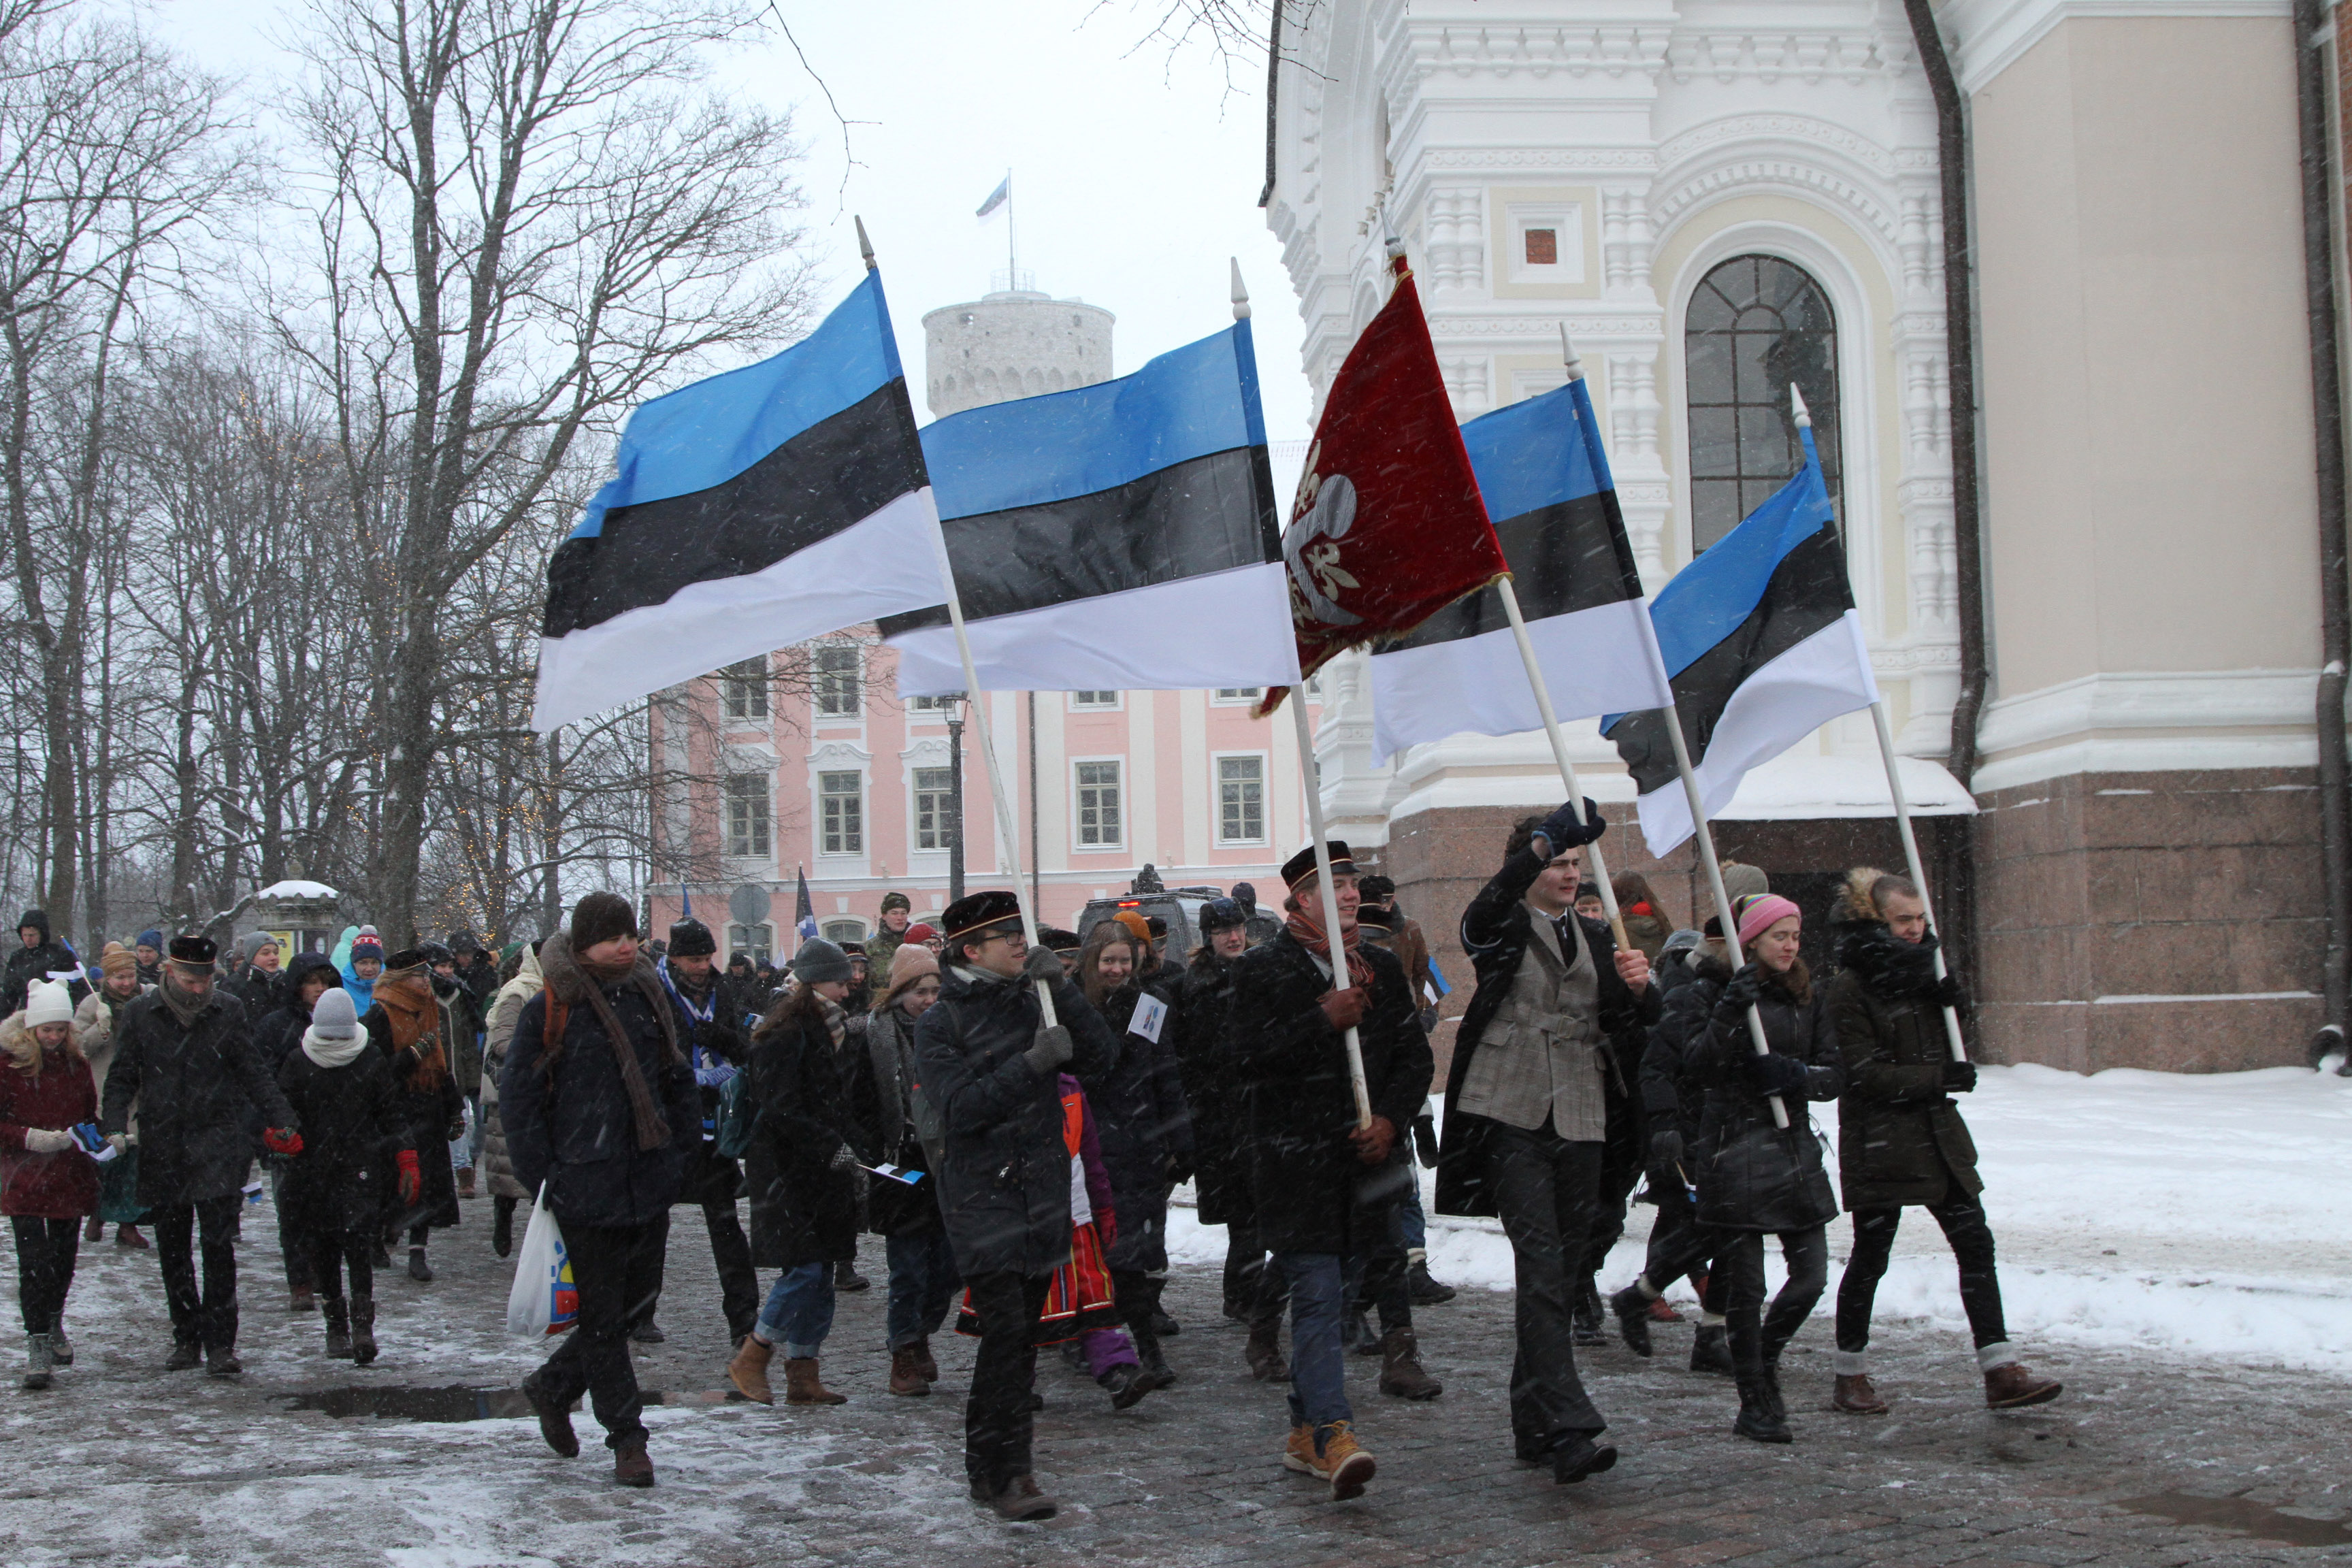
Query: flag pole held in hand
point(1341, 980)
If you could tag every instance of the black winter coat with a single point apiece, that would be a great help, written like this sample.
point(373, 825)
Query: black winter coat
point(1004, 1171)
point(1495, 931)
point(427, 1113)
point(195, 1084)
point(802, 1209)
point(710, 1044)
point(571, 1127)
point(896, 1123)
point(1308, 1190)
point(1221, 1176)
point(1142, 1125)
point(26, 964)
point(261, 990)
point(1754, 1175)
point(280, 1029)
point(1900, 1138)
point(352, 1134)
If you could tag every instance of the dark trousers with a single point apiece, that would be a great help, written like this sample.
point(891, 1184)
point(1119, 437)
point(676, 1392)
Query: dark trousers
point(1546, 1190)
point(738, 1286)
point(997, 1421)
point(1137, 1295)
point(1621, 1170)
point(331, 1252)
point(1807, 1253)
point(46, 1250)
point(293, 1244)
point(1253, 1285)
point(618, 1270)
point(1679, 1244)
point(922, 1284)
point(1962, 1216)
point(210, 1319)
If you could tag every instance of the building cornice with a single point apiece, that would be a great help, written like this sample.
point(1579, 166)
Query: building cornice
point(2149, 722)
point(1993, 35)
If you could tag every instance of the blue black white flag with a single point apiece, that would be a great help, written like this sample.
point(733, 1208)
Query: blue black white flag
point(748, 511)
point(1546, 483)
point(1765, 646)
point(1117, 537)
point(996, 199)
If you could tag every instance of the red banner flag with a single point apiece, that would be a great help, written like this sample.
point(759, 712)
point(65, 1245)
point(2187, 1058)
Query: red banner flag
point(1388, 528)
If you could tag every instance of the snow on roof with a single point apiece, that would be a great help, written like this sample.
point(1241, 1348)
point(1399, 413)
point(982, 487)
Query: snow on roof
point(295, 887)
point(1793, 787)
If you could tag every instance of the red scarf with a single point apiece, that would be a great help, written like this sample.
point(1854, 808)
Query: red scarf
point(1307, 930)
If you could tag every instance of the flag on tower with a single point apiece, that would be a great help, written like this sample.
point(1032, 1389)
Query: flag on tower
point(1387, 528)
point(996, 199)
point(1545, 480)
point(1115, 537)
point(1765, 646)
point(748, 511)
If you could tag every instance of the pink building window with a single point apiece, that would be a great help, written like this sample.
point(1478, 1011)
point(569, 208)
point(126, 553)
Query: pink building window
point(748, 820)
point(1098, 806)
point(841, 801)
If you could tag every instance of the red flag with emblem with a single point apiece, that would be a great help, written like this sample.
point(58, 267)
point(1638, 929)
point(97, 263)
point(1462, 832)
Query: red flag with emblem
point(1388, 528)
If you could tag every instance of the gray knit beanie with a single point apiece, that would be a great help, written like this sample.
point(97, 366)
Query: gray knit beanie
point(818, 961)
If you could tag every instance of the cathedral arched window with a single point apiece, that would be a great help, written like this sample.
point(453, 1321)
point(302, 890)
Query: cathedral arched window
point(1755, 323)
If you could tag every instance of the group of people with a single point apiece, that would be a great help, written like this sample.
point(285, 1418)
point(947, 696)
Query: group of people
point(1011, 1121)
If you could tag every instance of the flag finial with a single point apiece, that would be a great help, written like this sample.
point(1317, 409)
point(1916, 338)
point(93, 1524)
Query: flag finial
point(1797, 401)
point(1568, 355)
point(1240, 294)
point(865, 246)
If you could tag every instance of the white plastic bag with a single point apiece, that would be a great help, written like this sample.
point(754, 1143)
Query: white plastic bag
point(544, 1301)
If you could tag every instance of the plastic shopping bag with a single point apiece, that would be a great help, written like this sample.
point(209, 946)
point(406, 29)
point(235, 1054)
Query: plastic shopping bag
point(544, 1300)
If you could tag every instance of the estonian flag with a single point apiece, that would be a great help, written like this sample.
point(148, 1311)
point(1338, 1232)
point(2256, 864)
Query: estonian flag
point(1546, 487)
point(1118, 537)
point(1761, 637)
point(750, 512)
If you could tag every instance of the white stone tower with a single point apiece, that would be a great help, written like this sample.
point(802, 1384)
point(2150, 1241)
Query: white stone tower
point(1012, 342)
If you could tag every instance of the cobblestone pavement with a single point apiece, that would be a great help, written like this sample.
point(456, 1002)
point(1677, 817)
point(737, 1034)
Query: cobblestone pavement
point(124, 1464)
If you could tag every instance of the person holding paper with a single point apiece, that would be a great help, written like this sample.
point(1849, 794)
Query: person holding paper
point(48, 1180)
point(898, 1124)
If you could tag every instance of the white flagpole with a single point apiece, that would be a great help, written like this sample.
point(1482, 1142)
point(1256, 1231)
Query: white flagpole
point(1902, 805)
point(976, 701)
point(1700, 832)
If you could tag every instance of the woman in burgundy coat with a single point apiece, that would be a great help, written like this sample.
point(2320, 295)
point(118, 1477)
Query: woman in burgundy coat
point(48, 1184)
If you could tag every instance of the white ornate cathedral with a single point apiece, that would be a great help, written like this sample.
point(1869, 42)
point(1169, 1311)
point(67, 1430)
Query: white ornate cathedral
point(1717, 197)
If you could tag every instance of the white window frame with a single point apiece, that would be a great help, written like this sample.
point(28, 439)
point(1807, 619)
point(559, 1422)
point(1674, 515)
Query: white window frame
point(1118, 701)
point(1077, 847)
point(766, 797)
point(1235, 696)
point(747, 939)
point(856, 683)
point(739, 686)
point(842, 928)
point(823, 795)
point(1217, 761)
point(915, 792)
point(943, 708)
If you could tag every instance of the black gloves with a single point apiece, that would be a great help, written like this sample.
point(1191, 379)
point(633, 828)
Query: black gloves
point(1949, 993)
point(1773, 1073)
point(1741, 992)
point(1425, 1139)
point(1562, 831)
point(1960, 1078)
point(1665, 1161)
point(1042, 965)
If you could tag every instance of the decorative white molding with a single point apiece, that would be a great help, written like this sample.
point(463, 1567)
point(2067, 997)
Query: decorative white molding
point(1613, 51)
point(840, 754)
point(2149, 722)
point(1990, 36)
point(1553, 160)
point(1751, 174)
point(1768, 54)
point(1626, 245)
point(1880, 160)
point(1455, 252)
point(1468, 379)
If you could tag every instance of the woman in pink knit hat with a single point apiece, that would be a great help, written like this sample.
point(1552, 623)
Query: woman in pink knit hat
point(1760, 1178)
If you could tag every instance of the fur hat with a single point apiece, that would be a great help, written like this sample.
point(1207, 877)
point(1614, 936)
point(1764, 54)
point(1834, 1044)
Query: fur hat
point(194, 948)
point(601, 917)
point(47, 1002)
point(1300, 868)
point(689, 938)
point(334, 1017)
point(819, 961)
point(1221, 914)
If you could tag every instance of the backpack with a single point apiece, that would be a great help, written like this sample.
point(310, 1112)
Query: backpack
point(738, 1111)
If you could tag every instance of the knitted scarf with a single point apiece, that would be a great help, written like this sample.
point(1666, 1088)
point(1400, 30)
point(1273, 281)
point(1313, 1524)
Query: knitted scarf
point(1305, 928)
point(570, 980)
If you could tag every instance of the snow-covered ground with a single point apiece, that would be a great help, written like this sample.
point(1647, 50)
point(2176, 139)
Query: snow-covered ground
point(2196, 1214)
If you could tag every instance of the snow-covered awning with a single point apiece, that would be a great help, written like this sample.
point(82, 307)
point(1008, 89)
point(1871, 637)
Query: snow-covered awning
point(1795, 787)
point(295, 887)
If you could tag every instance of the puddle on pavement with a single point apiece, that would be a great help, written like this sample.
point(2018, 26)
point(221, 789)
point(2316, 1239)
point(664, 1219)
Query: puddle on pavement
point(459, 1403)
point(2243, 1516)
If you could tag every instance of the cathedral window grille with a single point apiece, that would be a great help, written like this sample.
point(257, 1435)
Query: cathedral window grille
point(1756, 324)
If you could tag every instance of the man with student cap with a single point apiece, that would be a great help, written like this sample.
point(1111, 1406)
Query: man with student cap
point(993, 1066)
point(1323, 1189)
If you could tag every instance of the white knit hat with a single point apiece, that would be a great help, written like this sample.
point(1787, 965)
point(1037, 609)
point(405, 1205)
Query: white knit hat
point(333, 1017)
point(47, 1002)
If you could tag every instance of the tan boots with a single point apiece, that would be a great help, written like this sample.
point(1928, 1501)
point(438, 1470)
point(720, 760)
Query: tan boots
point(749, 1371)
point(801, 1384)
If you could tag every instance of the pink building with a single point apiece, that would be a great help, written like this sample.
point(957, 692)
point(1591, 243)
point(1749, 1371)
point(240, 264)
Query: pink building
point(851, 787)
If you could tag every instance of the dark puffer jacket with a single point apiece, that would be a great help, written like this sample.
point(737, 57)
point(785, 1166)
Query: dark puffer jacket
point(1004, 1170)
point(195, 1084)
point(1221, 1176)
point(572, 1126)
point(278, 1032)
point(1900, 1138)
point(804, 1209)
point(1310, 1192)
point(1752, 1174)
point(353, 1132)
point(1143, 1125)
point(26, 965)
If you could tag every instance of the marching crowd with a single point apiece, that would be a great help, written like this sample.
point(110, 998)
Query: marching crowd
point(1011, 1121)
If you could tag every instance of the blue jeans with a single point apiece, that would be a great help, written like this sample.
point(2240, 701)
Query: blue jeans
point(799, 1313)
point(1318, 1380)
point(923, 1279)
point(1413, 1225)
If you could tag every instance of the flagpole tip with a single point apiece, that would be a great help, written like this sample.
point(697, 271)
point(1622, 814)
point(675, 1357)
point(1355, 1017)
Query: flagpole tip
point(865, 246)
point(1240, 294)
point(1568, 355)
point(1797, 401)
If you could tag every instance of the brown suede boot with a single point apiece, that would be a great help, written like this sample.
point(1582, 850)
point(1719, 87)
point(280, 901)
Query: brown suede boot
point(905, 1373)
point(749, 1371)
point(2011, 1387)
point(923, 1361)
point(1401, 1371)
point(466, 1190)
point(1855, 1396)
point(801, 1384)
point(1264, 1353)
point(631, 1467)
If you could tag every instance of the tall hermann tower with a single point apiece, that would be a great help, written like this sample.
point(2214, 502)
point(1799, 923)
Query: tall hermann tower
point(1011, 343)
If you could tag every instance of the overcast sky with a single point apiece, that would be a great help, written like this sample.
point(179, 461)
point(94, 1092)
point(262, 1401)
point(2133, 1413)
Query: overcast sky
point(1135, 172)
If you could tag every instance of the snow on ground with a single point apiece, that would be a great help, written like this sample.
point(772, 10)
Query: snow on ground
point(2193, 1213)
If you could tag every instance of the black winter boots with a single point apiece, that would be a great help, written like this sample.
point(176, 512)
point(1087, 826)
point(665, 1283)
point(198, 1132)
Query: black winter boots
point(363, 1330)
point(339, 1328)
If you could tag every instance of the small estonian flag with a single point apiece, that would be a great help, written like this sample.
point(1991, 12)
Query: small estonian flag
point(1765, 646)
point(996, 199)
